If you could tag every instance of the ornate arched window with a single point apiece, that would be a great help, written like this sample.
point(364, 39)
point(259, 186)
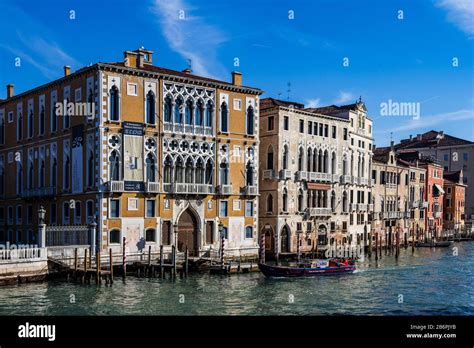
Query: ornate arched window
point(199, 113)
point(19, 127)
point(41, 120)
point(67, 172)
point(333, 163)
point(285, 157)
point(90, 169)
point(199, 172)
point(309, 158)
point(189, 170)
point(224, 118)
point(285, 200)
point(250, 120)
point(224, 173)
point(270, 203)
point(42, 174)
point(345, 206)
point(188, 112)
point(300, 159)
point(178, 106)
point(30, 124)
point(114, 103)
point(150, 107)
point(179, 170)
point(333, 201)
point(270, 158)
point(31, 175)
point(300, 200)
point(54, 173)
point(19, 178)
point(209, 172)
point(209, 111)
point(114, 166)
point(150, 168)
point(249, 174)
point(168, 109)
point(168, 170)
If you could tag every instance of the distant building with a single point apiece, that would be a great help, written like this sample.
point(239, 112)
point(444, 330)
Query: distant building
point(398, 191)
point(454, 201)
point(453, 154)
point(434, 192)
point(314, 179)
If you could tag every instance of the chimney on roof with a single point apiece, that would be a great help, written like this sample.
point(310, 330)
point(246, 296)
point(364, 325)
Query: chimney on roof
point(67, 70)
point(9, 91)
point(236, 78)
point(187, 71)
point(419, 137)
point(138, 58)
point(411, 137)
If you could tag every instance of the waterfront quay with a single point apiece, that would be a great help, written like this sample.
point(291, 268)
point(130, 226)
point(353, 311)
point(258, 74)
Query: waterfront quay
point(426, 281)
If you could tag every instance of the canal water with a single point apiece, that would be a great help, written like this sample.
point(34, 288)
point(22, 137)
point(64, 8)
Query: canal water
point(428, 282)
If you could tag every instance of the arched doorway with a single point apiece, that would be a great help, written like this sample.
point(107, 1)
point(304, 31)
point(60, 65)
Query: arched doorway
point(285, 239)
point(187, 233)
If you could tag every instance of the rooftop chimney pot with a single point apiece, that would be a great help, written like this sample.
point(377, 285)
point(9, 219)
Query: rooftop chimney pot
point(236, 78)
point(67, 70)
point(10, 91)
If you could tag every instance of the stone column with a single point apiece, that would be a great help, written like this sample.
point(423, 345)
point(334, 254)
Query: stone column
point(93, 236)
point(42, 235)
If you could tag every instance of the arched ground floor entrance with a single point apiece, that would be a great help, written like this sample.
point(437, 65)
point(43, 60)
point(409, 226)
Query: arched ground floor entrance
point(188, 233)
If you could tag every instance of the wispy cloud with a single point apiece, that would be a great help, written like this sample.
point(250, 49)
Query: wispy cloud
point(344, 97)
point(431, 121)
point(313, 103)
point(190, 36)
point(461, 13)
point(45, 55)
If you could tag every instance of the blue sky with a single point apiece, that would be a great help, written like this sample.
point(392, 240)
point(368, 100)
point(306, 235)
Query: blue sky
point(403, 60)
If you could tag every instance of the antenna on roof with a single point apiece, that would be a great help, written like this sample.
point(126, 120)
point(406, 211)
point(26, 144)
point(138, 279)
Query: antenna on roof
point(279, 95)
point(289, 90)
point(391, 136)
point(360, 99)
point(189, 63)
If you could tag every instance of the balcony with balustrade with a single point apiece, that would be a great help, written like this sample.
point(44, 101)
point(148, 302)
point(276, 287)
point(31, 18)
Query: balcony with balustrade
point(390, 215)
point(225, 189)
point(152, 187)
point(285, 174)
point(116, 186)
point(301, 176)
point(188, 188)
point(268, 174)
point(346, 179)
point(320, 177)
point(312, 212)
point(250, 190)
point(179, 128)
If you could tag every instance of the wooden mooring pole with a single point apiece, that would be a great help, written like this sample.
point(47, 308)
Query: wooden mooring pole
point(173, 257)
point(75, 260)
point(186, 262)
point(124, 258)
point(376, 246)
point(111, 266)
point(161, 261)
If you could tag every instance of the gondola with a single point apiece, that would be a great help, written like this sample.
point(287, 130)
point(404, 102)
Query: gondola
point(307, 270)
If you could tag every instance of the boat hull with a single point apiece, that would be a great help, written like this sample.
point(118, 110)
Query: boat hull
point(284, 271)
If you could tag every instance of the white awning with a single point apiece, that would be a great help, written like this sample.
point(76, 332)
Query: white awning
point(439, 188)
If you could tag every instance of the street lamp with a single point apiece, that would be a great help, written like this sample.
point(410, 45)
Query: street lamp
point(41, 215)
point(41, 227)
